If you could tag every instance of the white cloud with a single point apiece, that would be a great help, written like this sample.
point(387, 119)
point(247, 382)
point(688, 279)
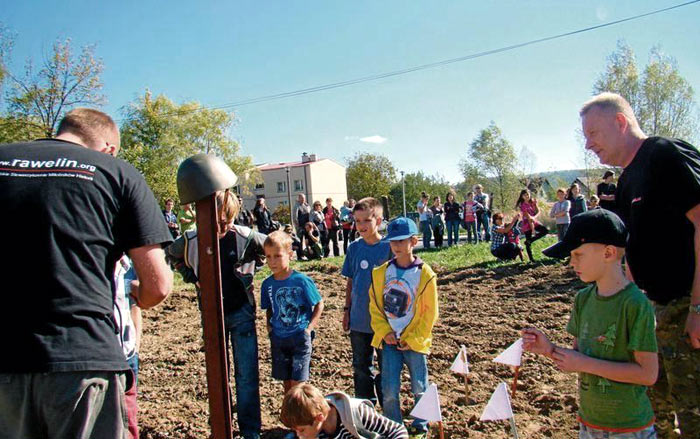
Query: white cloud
point(374, 139)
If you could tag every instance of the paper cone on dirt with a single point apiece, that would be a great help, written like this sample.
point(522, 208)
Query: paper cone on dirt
point(428, 407)
point(498, 406)
point(461, 365)
point(512, 355)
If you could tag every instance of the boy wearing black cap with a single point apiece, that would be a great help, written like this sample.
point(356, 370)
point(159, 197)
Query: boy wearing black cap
point(612, 322)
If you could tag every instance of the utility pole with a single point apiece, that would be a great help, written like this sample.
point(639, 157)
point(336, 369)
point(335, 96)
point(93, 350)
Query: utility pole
point(289, 195)
point(403, 193)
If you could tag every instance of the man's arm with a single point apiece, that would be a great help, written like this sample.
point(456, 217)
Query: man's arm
point(155, 278)
point(692, 324)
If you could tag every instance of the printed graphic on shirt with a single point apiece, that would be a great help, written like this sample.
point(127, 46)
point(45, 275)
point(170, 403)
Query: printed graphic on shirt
point(60, 167)
point(397, 298)
point(399, 293)
point(291, 305)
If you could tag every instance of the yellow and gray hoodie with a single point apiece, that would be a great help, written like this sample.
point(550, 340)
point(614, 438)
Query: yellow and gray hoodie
point(404, 300)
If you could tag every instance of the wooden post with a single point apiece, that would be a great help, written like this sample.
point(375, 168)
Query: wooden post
point(442, 431)
point(213, 319)
point(512, 427)
point(515, 382)
point(466, 388)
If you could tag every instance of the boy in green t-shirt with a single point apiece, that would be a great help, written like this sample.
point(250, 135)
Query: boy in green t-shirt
point(612, 321)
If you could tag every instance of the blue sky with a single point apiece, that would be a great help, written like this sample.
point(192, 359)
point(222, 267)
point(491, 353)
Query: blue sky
point(223, 52)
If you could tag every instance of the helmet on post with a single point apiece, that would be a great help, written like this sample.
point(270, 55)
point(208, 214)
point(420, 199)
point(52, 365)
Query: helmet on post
point(202, 175)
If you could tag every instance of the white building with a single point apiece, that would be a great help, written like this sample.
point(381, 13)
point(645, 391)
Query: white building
point(318, 179)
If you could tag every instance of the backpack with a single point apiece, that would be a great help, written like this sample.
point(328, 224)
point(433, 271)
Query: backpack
point(349, 412)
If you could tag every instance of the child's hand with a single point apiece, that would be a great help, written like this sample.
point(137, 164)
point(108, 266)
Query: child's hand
point(346, 320)
point(403, 346)
point(535, 341)
point(568, 360)
point(390, 338)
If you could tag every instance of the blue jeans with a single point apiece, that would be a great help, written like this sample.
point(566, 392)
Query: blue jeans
point(427, 233)
point(593, 433)
point(240, 333)
point(452, 229)
point(392, 363)
point(471, 231)
point(367, 384)
point(483, 221)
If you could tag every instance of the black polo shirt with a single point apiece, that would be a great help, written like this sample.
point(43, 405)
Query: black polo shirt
point(607, 189)
point(654, 194)
point(69, 215)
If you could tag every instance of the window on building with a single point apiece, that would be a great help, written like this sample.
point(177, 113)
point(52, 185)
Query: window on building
point(298, 185)
point(260, 186)
point(281, 186)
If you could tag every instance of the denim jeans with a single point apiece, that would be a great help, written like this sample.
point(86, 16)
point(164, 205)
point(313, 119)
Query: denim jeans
point(427, 233)
point(471, 232)
point(452, 230)
point(586, 432)
point(483, 221)
point(367, 384)
point(392, 363)
point(240, 333)
point(561, 230)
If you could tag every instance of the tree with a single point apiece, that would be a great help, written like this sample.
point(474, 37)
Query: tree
point(158, 134)
point(661, 98)
point(415, 183)
point(369, 175)
point(493, 155)
point(63, 82)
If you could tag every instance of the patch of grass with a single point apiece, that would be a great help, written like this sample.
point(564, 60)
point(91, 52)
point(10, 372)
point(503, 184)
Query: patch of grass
point(469, 255)
point(443, 260)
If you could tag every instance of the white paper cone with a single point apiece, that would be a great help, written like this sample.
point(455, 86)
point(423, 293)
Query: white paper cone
point(461, 364)
point(428, 407)
point(512, 355)
point(498, 406)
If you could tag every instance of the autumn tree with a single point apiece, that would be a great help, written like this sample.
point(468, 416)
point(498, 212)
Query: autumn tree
point(663, 101)
point(415, 183)
point(158, 134)
point(492, 155)
point(369, 175)
point(42, 96)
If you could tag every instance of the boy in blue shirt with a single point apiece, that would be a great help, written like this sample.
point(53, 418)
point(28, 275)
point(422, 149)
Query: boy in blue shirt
point(293, 307)
point(363, 255)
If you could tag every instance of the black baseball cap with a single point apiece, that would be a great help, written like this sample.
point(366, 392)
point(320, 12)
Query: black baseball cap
point(598, 226)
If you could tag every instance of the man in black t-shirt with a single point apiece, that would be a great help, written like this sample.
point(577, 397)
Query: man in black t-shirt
point(72, 210)
point(660, 186)
point(606, 191)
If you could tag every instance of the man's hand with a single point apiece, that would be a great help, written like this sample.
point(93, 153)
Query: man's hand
point(568, 360)
point(390, 338)
point(346, 320)
point(535, 341)
point(692, 327)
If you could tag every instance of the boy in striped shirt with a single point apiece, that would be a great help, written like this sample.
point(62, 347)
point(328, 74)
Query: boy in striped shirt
point(336, 416)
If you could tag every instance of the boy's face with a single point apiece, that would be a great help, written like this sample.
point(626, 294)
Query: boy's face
point(470, 197)
point(310, 431)
point(560, 196)
point(277, 258)
point(588, 261)
point(367, 224)
point(498, 221)
point(403, 247)
point(594, 202)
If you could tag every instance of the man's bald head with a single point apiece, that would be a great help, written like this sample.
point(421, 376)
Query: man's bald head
point(91, 128)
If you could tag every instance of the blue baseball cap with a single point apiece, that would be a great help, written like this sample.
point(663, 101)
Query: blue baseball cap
point(401, 228)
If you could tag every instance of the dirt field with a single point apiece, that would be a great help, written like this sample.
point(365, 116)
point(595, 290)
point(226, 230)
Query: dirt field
point(481, 308)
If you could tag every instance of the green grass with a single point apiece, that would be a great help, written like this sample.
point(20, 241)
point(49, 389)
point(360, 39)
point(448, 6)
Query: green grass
point(443, 260)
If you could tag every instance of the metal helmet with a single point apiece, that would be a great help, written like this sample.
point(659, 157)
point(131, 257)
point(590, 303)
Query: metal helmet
point(202, 175)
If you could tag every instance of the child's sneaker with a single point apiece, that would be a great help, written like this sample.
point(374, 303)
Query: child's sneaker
point(414, 433)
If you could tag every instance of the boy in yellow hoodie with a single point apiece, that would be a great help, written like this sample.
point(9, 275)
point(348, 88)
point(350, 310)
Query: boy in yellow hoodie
point(403, 307)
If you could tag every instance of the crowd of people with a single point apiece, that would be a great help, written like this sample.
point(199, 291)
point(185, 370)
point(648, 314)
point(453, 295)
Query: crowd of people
point(636, 326)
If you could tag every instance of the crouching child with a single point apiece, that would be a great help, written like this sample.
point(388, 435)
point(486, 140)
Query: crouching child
point(336, 416)
point(614, 351)
point(404, 309)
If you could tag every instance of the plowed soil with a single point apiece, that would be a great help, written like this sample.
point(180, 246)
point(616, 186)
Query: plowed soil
point(482, 308)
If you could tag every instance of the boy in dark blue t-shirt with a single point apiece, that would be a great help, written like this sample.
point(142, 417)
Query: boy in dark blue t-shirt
point(293, 306)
